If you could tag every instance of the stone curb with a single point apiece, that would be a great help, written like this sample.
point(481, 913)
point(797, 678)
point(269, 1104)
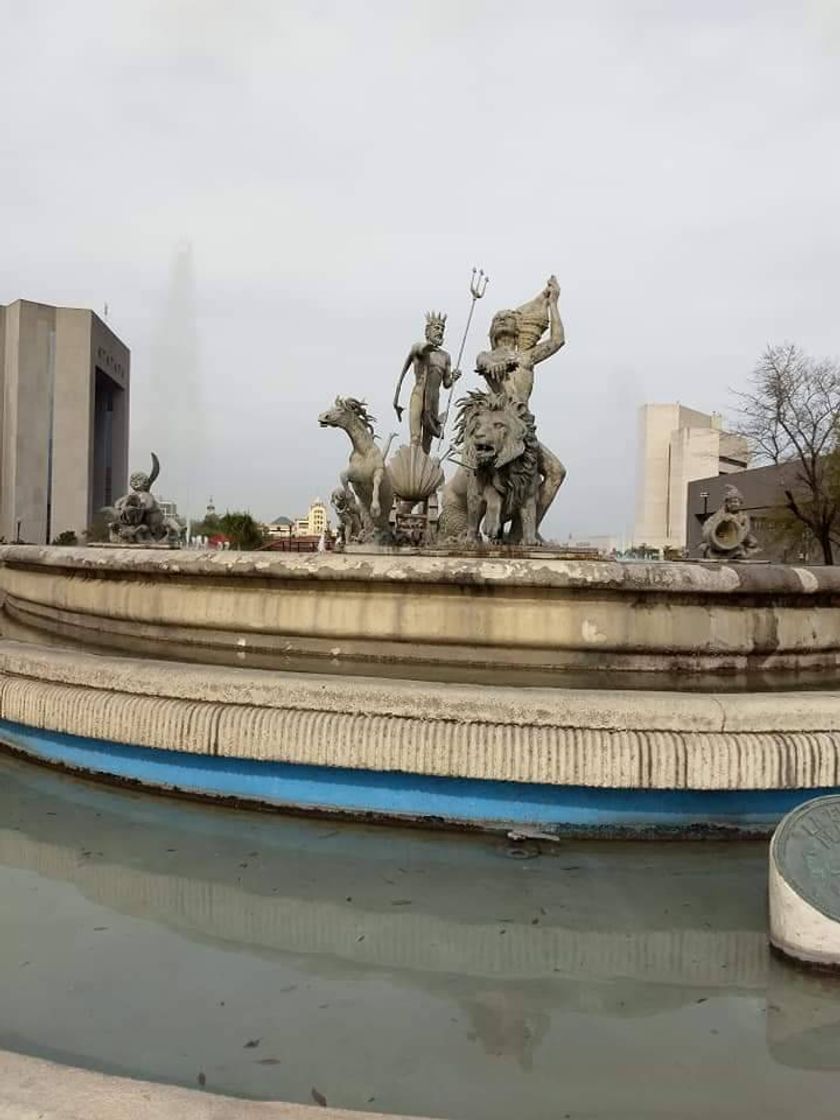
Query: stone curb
point(34, 1089)
point(687, 576)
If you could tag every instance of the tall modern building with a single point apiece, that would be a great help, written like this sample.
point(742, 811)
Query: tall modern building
point(64, 397)
point(676, 446)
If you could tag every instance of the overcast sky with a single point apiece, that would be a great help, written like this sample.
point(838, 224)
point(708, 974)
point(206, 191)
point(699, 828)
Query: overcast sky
point(269, 195)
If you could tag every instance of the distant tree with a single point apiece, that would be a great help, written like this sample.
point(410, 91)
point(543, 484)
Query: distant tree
point(209, 526)
point(791, 414)
point(642, 552)
point(241, 530)
point(791, 541)
point(67, 537)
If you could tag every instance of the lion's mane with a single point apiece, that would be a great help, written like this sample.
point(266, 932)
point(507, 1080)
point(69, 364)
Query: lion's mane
point(518, 473)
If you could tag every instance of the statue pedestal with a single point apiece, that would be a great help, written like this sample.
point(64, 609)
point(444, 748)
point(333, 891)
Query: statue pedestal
point(414, 524)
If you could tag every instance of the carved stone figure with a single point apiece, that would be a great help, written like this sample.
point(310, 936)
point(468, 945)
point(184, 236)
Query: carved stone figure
point(348, 515)
point(497, 483)
point(136, 518)
point(432, 368)
point(727, 534)
point(415, 479)
point(508, 368)
point(366, 468)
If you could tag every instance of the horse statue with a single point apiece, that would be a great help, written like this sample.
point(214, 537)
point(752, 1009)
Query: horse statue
point(366, 471)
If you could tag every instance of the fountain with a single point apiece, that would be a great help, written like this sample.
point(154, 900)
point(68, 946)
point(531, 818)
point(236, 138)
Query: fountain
point(446, 666)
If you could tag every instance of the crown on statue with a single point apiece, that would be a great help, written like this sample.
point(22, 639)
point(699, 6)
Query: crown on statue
point(435, 319)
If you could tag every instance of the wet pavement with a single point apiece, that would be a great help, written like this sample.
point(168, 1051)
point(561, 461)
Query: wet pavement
point(397, 970)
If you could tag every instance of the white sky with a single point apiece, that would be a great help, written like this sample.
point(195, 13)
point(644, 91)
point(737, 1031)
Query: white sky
point(338, 167)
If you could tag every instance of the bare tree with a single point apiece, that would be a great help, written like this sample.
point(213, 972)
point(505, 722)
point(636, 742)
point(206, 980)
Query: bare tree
point(792, 415)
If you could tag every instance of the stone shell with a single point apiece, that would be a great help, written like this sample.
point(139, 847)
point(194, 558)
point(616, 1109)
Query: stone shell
point(414, 475)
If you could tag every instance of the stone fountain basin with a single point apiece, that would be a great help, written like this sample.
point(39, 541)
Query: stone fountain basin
point(110, 666)
point(416, 610)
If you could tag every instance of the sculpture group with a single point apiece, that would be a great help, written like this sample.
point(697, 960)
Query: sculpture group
point(137, 519)
point(502, 480)
point(505, 479)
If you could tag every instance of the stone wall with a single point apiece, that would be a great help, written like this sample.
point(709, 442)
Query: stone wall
point(433, 610)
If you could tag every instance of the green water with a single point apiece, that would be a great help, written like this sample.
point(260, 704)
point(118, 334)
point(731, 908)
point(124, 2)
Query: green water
point(398, 970)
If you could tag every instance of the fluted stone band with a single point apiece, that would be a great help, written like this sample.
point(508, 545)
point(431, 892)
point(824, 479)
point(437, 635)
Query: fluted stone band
point(556, 737)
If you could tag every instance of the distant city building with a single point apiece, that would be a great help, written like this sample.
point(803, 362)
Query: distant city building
point(279, 527)
point(781, 538)
point(605, 543)
point(64, 404)
point(167, 507)
point(313, 524)
point(676, 446)
point(316, 520)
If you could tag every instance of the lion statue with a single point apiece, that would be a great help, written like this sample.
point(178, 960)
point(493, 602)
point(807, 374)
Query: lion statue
point(497, 482)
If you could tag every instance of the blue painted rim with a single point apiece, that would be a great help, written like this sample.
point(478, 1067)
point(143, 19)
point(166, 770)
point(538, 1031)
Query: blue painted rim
point(471, 801)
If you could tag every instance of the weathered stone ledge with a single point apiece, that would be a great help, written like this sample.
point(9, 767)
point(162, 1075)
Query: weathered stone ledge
point(35, 1089)
point(531, 571)
point(489, 613)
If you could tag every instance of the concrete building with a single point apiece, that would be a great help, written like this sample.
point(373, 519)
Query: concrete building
point(676, 446)
point(312, 524)
point(781, 537)
point(64, 405)
point(279, 527)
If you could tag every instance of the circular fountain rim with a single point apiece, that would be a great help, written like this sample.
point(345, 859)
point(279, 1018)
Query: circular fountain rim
point(489, 568)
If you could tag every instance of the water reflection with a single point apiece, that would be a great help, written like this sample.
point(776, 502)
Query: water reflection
point(430, 972)
point(803, 1017)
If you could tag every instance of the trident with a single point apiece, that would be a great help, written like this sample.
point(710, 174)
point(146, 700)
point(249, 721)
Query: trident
point(478, 286)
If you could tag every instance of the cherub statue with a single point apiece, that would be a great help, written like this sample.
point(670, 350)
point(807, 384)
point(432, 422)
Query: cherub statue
point(432, 368)
point(727, 534)
point(137, 517)
point(348, 514)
